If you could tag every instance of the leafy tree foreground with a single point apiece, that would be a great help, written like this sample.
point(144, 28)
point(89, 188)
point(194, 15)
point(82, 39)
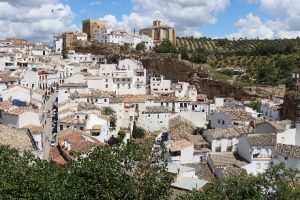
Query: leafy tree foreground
point(130, 172)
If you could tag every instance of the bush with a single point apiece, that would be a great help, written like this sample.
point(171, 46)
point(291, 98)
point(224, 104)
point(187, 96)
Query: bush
point(198, 131)
point(108, 111)
point(141, 46)
point(137, 132)
point(199, 56)
point(255, 105)
point(165, 47)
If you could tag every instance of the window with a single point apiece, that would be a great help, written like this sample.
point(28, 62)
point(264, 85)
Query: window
point(157, 116)
point(96, 100)
point(77, 116)
point(129, 86)
point(219, 121)
point(286, 158)
point(105, 100)
point(106, 86)
point(106, 80)
point(61, 127)
point(118, 86)
point(223, 122)
point(81, 128)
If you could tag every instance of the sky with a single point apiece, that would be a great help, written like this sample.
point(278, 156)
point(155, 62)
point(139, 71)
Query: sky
point(41, 19)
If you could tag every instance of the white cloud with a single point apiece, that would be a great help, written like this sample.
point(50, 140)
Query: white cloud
point(37, 19)
point(95, 3)
point(284, 22)
point(185, 15)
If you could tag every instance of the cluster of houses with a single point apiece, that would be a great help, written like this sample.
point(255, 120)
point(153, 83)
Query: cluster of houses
point(202, 138)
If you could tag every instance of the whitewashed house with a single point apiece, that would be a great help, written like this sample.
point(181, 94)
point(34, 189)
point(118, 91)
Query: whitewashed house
point(257, 149)
point(182, 152)
point(289, 155)
point(17, 92)
point(270, 109)
point(222, 140)
point(225, 117)
point(160, 85)
point(155, 118)
point(224, 165)
point(30, 79)
point(58, 44)
point(285, 133)
point(128, 77)
point(18, 117)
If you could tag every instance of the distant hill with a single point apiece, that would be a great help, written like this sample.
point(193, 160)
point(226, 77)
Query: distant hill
point(269, 62)
point(233, 46)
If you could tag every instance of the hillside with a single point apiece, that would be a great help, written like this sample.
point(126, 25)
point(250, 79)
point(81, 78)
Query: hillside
point(264, 62)
point(233, 46)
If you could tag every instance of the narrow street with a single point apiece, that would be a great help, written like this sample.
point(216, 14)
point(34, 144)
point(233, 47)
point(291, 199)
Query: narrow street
point(47, 125)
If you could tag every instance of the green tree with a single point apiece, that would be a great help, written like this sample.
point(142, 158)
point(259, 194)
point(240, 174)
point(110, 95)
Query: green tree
point(199, 56)
point(141, 46)
point(165, 47)
point(184, 52)
point(255, 105)
point(106, 173)
point(137, 132)
point(108, 111)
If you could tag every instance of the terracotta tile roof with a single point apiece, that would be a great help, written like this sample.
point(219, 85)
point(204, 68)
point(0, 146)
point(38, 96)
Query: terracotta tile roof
point(70, 119)
point(180, 128)
point(87, 106)
point(170, 98)
point(202, 170)
point(134, 98)
point(226, 159)
point(16, 138)
point(74, 85)
point(180, 144)
point(116, 99)
point(79, 142)
point(237, 114)
point(231, 171)
point(288, 150)
point(56, 157)
point(7, 107)
point(40, 72)
point(5, 78)
point(34, 129)
point(279, 125)
point(93, 94)
point(157, 109)
point(245, 130)
point(219, 133)
point(261, 139)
